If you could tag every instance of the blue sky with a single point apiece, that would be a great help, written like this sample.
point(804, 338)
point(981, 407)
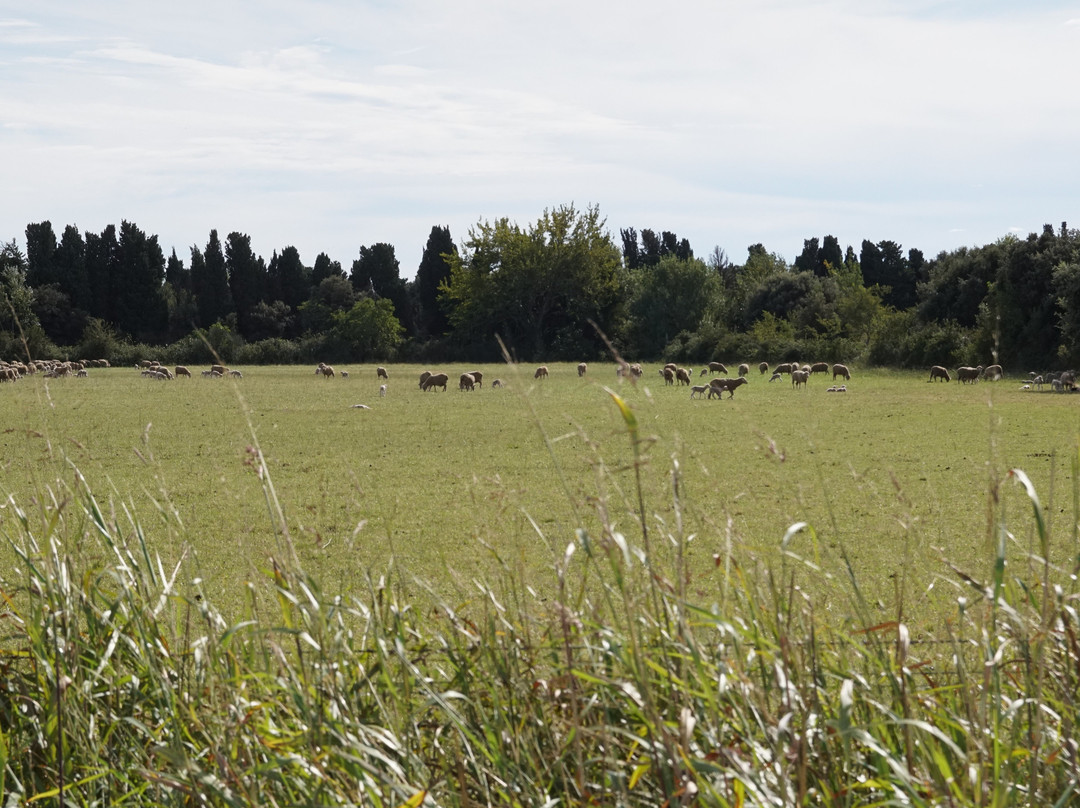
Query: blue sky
point(329, 126)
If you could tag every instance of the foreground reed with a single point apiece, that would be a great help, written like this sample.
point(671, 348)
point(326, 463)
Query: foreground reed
point(118, 685)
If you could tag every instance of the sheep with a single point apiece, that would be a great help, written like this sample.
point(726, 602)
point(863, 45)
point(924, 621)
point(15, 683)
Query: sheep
point(1038, 381)
point(774, 377)
point(380, 373)
point(728, 385)
point(344, 374)
point(938, 372)
point(744, 369)
point(841, 370)
point(582, 369)
point(993, 373)
point(80, 373)
point(1068, 378)
point(496, 383)
point(328, 372)
point(841, 389)
point(699, 390)
point(424, 377)
point(819, 367)
point(382, 391)
point(360, 407)
point(682, 376)
point(717, 367)
point(478, 377)
point(785, 367)
point(1057, 386)
point(541, 372)
point(763, 368)
point(236, 374)
point(466, 382)
point(220, 369)
point(435, 380)
point(965, 375)
point(668, 374)
point(799, 377)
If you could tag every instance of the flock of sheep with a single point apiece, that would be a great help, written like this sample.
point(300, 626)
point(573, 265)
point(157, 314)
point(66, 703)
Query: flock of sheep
point(1059, 382)
point(49, 368)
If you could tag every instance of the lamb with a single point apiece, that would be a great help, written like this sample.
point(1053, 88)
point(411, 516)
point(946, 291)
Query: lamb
point(819, 367)
point(380, 373)
point(541, 372)
point(699, 390)
point(182, 371)
point(80, 373)
point(382, 391)
point(799, 377)
point(496, 383)
point(466, 382)
point(1038, 381)
point(841, 389)
point(1057, 386)
point(744, 369)
point(938, 372)
point(344, 374)
point(582, 369)
point(841, 370)
point(763, 368)
point(435, 380)
point(774, 377)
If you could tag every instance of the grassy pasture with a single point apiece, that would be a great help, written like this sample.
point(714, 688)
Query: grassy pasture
point(895, 472)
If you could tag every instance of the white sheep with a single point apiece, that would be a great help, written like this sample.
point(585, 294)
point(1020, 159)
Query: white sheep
point(841, 370)
point(582, 369)
point(382, 391)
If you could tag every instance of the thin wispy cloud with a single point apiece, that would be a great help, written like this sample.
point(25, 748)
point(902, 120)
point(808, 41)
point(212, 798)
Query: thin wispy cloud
point(331, 126)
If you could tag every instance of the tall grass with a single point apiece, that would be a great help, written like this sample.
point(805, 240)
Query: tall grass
point(637, 683)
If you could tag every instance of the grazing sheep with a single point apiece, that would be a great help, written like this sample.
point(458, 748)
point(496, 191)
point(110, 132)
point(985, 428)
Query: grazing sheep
point(496, 383)
point(182, 371)
point(993, 373)
point(382, 391)
point(582, 369)
point(1057, 386)
point(799, 378)
point(478, 377)
point(682, 376)
point(219, 369)
point(435, 380)
point(699, 391)
point(541, 372)
point(668, 374)
point(360, 407)
point(424, 377)
point(841, 370)
point(726, 385)
point(763, 368)
point(80, 373)
point(938, 372)
point(717, 367)
point(744, 369)
point(819, 367)
point(236, 374)
point(1068, 378)
point(466, 382)
point(380, 373)
point(784, 367)
point(344, 374)
point(966, 375)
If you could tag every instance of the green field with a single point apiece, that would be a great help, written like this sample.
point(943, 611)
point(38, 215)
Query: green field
point(897, 472)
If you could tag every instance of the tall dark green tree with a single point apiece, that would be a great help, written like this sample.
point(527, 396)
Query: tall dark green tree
point(434, 271)
point(40, 254)
point(809, 259)
point(141, 308)
point(247, 278)
point(289, 280)
point(831, 255)
point(210, 282)
point(102, 269)
point(324, 268)
point(631, 250)
point(377, 274)
point(176, 274)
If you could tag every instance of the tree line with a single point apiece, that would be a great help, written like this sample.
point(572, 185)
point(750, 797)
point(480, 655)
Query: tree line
point(560, 288)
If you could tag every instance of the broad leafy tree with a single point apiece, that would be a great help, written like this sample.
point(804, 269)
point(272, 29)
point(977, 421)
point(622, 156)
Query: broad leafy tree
point(377, 273)
point(671, 297)
point(369, 330)
point(537, 288)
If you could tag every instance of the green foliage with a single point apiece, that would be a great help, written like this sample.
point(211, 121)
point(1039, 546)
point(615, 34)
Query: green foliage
point(369, 330)
point(666, 298)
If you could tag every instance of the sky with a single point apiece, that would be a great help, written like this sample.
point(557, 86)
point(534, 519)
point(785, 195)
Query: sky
point(330, 126)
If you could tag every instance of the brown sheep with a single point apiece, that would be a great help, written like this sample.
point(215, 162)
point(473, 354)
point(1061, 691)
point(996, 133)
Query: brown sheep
point(993, 373)
point(785, 367)
point(582, 369)
point(967, 375)
point(182, 371)
point(541, 372)
point(720, 386)
point(424, 377)
point(327, 372)
point(717, 367)
point(841, 370)
point(744, 369)
point(682, 376)
point(819, 367)
point(763, 368)
point(938, 372)
point(219, 369)
point(668, 374)
point(380, 373)
point(466, 382)
point(435, 380)
point(478, 377)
